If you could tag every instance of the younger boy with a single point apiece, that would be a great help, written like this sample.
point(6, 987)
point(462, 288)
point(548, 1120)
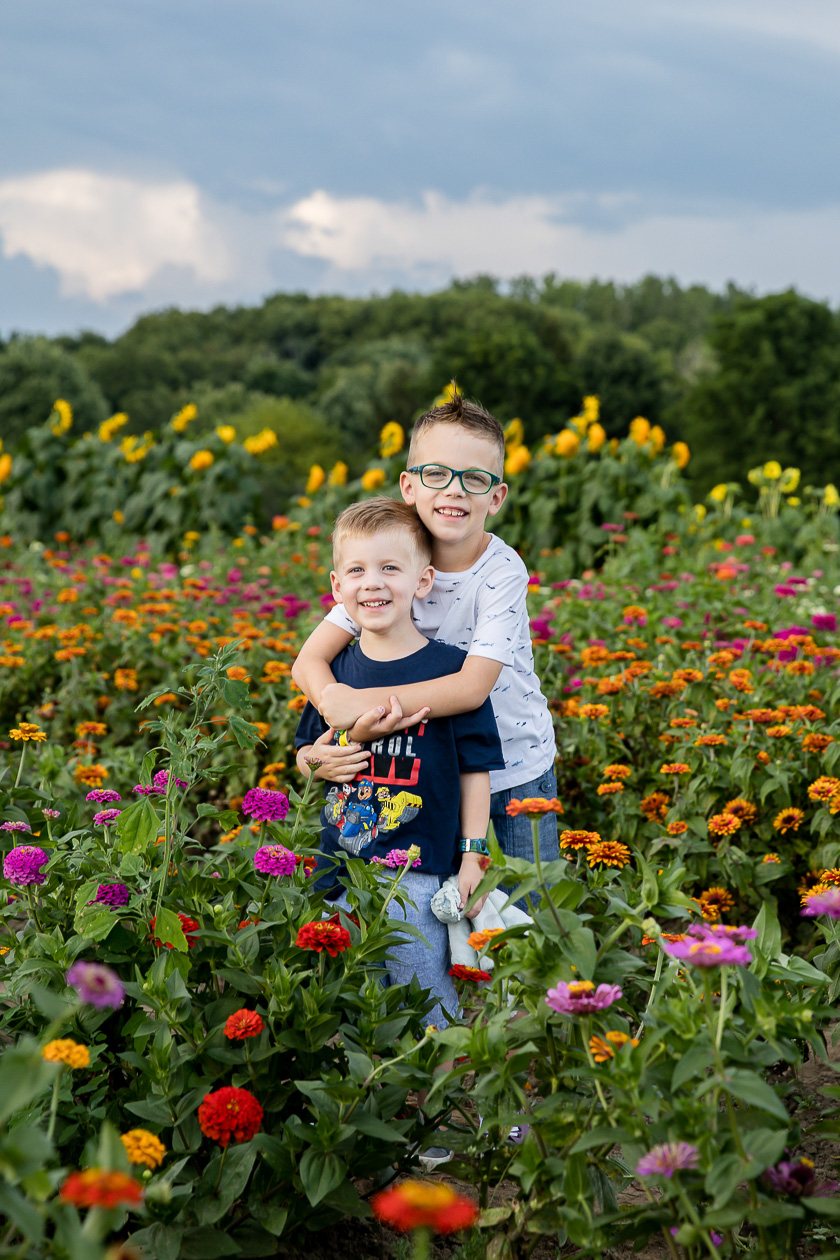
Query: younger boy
point(425, 785)
point(477, 603)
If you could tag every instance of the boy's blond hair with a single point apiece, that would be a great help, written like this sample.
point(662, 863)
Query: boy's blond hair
point(468, 415)
point(379, 516)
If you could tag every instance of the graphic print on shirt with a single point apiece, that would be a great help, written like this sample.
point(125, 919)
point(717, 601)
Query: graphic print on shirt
point(361, 810)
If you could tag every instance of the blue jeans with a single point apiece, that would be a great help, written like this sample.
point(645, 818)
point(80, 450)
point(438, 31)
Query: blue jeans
point(514, 834)
point(428, 962)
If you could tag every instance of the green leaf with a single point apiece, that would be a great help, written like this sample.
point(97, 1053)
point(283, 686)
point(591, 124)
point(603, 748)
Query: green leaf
point(765, 1146)
point(320, 1172)
point(168, 930)
point(25, 1075)
point(373, 1127)
point(158, 1240)
point(650, 884)
point(245, 733)
point(693, 1063)
point(601, 1135)
point(236, 694)
point(271, 1216)
point(94, 923)
point(18, 1211)
point(579, 946)
point(769, 939)
point(748, 1088)
point(206, 1243)
point(237, 1170)
point(823, 1206)
point(137, 827)
point(723, 1177)
point(157, 1112)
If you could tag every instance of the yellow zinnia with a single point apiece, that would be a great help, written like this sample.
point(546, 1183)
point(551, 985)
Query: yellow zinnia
point(391, 439)
point(517, 461)
point(830, 496)
point(719, 492)
point(201, 460)
point(772, 470)
point(65, 1050)
point(260, 442)
point(657, 438)
point(640, 430)
point(790, 480)
point(184, 416)
point(338, 474)
point(681, 454)
point(142, 1147)
point(226, 432)
point(567, 443)
point(514, 434)
point(591, 408)
point(596, 437)
point(316, 479)
point(373, 478)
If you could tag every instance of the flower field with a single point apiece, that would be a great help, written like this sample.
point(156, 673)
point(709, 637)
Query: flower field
point(198, 1055)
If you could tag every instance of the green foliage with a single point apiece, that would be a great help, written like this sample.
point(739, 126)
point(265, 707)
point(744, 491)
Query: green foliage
point(34, 372)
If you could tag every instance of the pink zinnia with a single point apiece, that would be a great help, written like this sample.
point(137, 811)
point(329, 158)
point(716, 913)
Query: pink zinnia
point(265, 805)
point(710, 951)
point(581, 997)
point(273, 859)
point(103, 796)
point(106, 816)
point(22, 866)
point(827, 903)
point(667, 1159)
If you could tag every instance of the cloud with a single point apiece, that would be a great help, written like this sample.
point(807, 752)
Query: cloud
point(128, 244)
point(107, 234)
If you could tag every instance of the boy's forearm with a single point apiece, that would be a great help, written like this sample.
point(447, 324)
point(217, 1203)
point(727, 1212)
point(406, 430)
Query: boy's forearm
point(475, 805)
point(454, 693)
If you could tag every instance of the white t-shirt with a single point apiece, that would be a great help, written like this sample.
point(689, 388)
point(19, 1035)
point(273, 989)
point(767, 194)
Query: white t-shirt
point(483, 611)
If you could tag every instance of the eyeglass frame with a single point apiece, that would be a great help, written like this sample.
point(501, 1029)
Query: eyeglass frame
point(460, 474)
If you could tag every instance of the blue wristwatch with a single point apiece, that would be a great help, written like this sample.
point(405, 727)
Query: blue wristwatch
point(474, 846)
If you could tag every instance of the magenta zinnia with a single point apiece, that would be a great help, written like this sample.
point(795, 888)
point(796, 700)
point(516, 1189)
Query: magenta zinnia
point(273, 859)
point(265, 806)
point(823, 901)
point(96, 984)
point(711, 950)
point(581, 997)
point(668, 1158)
point(22, 866)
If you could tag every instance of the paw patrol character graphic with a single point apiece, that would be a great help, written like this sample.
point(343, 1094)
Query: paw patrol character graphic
point(351, 809)
point(396, 810)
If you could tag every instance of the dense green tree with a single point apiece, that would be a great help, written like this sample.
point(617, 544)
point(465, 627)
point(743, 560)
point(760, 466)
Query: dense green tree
point(774, 394)
point(34, 372)
point(624, 374)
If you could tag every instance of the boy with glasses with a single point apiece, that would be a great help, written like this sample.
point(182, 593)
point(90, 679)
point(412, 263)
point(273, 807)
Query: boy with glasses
point(477, 603)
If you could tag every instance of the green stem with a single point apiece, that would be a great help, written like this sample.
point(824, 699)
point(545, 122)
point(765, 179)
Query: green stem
point(54, 1107)
point(221, 1168)
point(22, 760)
point(33, 908)
point(420, 1250)
point(656, 976)
point(724, 982)
point(607, 945)
point(167, 848)
point(302, 807)
point(695, 1219)
point(535, 834)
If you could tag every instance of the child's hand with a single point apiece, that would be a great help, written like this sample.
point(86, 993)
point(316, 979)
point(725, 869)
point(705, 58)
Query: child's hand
point(340, 706)
point(469, 877)
point(381, 721)
point(339, 764)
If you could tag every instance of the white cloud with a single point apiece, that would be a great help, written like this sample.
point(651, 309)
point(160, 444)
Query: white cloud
point(111, 238)
point(107, 234)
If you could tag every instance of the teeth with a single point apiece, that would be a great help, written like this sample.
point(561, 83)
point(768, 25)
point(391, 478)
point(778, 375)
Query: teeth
point(451, 512)
point(374, 603)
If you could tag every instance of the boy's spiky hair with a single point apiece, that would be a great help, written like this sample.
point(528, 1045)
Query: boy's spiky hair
point(378, 516)
point(469, 415)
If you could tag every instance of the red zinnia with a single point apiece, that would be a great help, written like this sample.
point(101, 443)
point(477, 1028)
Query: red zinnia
point(95, 1187)
point(188, 925)
point(323, 935)
point(424, 1205)
point(242, 1024)
point(461, 972)
point(230, 1113)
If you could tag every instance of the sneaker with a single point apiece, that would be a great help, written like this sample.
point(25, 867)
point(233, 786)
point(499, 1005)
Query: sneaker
point(433, 1157)
point(518, 1134)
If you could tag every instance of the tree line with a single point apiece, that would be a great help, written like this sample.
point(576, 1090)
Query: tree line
point(739, 378)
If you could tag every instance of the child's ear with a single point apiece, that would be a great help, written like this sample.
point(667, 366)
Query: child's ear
point(336, 588)
point(406, 488)
point(497, 498)
point(424, 582)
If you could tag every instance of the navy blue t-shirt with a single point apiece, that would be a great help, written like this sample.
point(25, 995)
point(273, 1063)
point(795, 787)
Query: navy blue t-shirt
point(410, 790)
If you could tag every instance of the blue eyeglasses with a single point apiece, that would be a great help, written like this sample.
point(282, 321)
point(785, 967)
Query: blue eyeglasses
point(473, 480)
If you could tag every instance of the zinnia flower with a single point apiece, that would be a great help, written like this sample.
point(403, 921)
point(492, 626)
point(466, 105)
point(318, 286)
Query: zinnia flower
point(745, 810)
point(677, 828)
point(395, 859)
point(22, 866)
point(713, 902)
point(273, 859)
point(824, 788)
point(27, 731)
point(95, 984)
point(95, 1187)
point(724, 824)
point(424, 1205)
point(459, 972)
point(15, 825)
point(797, 1177)
point(142, 1147)
point(188, 925)
point(242, 1024)
point(573, 840)
point(265, 805)
point(534, 806)
point(106, 816)
point(788, 820)
point(581, 997)
point(674, 767)
point(608, 853)
point(230, 1113)
point(65, 1050)
point(667, 1159)
point(709, 951)
point(323, 935)
point(113, 895)
point(823, 901)
point(603, 1048)
point(479, 939)
point(103, 796)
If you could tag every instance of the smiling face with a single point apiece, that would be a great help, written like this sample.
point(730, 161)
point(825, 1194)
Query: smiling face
point(451, 515)
point(376, 578)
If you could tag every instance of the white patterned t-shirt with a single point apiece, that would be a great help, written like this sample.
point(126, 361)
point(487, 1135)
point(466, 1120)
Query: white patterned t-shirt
point(483, 612)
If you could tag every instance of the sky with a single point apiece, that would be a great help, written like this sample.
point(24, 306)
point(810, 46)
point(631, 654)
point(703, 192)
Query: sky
point(196, 152)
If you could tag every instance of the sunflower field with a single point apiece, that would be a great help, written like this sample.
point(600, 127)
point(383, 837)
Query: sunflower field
point(198, 1058)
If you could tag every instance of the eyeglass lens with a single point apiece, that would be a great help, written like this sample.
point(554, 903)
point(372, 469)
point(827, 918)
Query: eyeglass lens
point(473, 480)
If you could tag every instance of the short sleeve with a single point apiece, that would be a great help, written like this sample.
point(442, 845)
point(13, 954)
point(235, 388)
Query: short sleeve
point(501, 615)
point(310, 727)
point(338, 617)
point(477, 740)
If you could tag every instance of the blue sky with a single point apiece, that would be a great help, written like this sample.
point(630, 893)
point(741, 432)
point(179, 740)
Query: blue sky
point(185, 152)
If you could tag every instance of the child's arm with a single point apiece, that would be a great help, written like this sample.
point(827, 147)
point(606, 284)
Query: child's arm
point(338, 764)
point(441, 697)
point(475, 818)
